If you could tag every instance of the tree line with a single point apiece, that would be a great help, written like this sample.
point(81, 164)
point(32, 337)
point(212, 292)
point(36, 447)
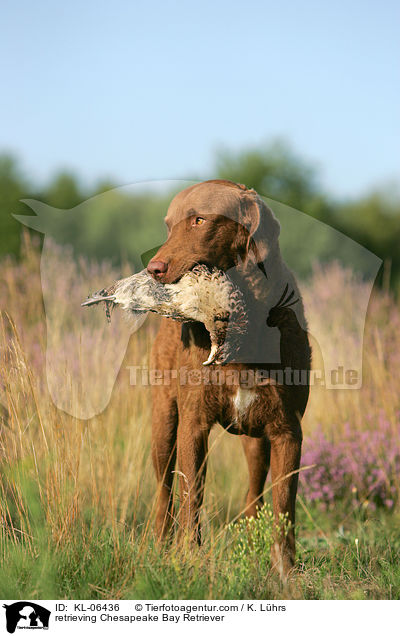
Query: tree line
point(125, 225)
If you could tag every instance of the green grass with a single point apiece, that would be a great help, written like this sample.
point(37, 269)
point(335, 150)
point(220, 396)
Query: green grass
point(77, 497)
point(356, 559)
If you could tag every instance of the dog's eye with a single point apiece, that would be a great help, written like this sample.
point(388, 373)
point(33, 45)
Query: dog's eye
point(198, 220)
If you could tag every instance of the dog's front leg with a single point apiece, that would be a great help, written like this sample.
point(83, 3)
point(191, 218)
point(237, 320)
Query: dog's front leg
point(192, 465)
point(285, 462)
point(163, 447)
point(257, 451)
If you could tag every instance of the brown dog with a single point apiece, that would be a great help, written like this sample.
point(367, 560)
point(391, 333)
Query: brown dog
point(225, 225)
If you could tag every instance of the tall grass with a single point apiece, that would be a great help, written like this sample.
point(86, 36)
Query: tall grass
point(77, 496)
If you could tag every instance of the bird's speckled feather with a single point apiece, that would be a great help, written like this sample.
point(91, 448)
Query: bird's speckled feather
point(200, 295)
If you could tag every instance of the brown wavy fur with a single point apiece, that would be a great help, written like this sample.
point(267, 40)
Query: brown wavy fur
point(239, 231)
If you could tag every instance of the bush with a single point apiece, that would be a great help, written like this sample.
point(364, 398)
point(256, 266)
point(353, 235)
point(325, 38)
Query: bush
point(361, 468)
point(252, 539)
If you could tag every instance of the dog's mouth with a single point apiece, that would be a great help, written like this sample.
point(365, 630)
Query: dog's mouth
point(166, 280)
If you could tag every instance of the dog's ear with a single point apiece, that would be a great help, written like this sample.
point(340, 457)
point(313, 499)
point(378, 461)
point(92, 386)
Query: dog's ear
point(260, 227)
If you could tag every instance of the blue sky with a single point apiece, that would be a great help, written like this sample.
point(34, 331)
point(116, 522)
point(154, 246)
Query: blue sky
point(149, 90)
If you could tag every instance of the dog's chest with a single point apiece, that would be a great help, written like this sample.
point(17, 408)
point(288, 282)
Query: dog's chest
point(242, 401)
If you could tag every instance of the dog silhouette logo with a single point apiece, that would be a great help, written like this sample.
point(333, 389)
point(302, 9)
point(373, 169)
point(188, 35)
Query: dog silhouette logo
point(26, 615)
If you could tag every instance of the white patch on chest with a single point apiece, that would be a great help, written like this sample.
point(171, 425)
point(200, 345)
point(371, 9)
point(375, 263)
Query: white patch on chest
point(242, 401)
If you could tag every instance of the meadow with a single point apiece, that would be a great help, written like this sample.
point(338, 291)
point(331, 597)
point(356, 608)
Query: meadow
point(77, 496)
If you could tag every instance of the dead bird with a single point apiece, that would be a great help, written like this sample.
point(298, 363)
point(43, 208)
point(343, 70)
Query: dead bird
point(201, 295)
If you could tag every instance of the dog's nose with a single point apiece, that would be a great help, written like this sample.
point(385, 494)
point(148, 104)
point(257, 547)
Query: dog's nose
point(157, 268)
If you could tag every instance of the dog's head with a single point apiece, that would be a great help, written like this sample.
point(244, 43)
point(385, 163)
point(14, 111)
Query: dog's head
point(216, 223)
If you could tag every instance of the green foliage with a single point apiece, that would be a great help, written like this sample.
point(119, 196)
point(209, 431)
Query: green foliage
point(64, 192)
point(276, 172)
point(122, 225)
point(96, 562)
point(251, 542)
point(374, 221)
point(13, 187)
point(77, 497)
